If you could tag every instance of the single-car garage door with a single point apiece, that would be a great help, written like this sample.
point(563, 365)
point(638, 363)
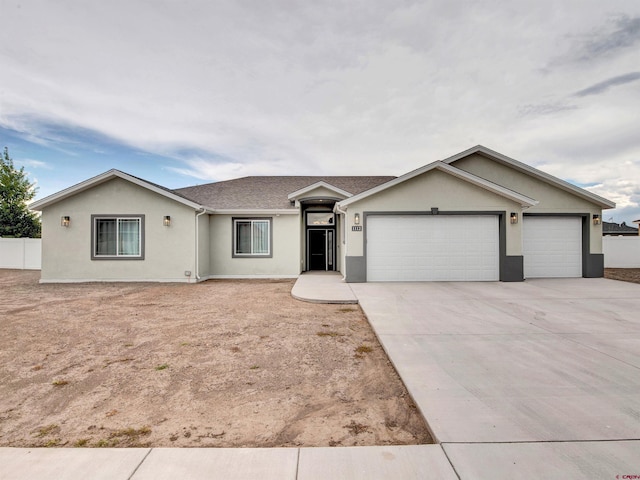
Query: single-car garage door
point(405, 248)
point(552, 247)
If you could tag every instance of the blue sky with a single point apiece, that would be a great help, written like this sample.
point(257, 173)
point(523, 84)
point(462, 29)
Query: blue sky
point(187, 92)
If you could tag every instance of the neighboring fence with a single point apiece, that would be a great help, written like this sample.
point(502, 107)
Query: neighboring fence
point(21, 253)
point(621, 252)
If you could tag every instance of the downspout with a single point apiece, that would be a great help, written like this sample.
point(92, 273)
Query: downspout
point(344, 230)
point(198, 244)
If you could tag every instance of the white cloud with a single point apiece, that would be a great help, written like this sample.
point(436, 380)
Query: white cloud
point(28, 162)
point(376, 87)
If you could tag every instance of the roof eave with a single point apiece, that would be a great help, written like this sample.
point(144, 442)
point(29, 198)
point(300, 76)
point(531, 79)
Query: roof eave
point(255, 211)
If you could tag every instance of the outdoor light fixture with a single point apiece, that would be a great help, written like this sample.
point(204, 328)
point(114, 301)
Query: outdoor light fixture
point(65, 221)
point(167, 221)
point(596, 219)
point(356, 219)
point(514, 217)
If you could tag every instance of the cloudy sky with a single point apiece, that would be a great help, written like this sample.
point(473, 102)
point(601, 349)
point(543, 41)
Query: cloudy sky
point(186, 92)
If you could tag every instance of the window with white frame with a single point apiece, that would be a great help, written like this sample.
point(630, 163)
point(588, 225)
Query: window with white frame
point(117, 237)
point(252, 237)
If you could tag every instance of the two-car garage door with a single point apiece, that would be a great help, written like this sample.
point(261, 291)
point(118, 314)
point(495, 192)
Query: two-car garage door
point(466, 247)
point(432, 248)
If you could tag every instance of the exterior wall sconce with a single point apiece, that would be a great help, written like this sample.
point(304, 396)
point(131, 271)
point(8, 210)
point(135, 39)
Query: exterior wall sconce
point(356, 219)
point(596, 219)
point(514, 217)
point(65, 221)
point(166, 221)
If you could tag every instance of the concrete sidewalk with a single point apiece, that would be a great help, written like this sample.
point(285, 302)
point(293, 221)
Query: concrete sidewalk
point(412, 462)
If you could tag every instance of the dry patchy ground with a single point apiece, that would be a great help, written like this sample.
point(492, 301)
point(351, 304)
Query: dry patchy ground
point(625, 274)
point(219, 364)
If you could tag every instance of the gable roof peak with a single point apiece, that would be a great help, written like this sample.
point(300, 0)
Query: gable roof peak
point(534, 172)
point(105, 177)
point(524, 200)
point(320, 184)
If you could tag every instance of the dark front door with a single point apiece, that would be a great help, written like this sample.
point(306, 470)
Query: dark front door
point(320, 249)
point(317, 249)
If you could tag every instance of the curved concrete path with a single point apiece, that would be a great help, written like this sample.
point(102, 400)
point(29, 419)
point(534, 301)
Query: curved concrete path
point(323, 287)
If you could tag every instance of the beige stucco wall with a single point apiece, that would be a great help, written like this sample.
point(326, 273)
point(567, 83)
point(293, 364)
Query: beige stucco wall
point(286, 248)
point(432, 189)
point(552, 199)
point(169, 251)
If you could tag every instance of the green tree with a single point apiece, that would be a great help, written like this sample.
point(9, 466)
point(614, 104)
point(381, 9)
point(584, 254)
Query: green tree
point(15, 192)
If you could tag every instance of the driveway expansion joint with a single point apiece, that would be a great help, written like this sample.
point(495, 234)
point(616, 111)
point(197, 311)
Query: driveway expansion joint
point(140, 464)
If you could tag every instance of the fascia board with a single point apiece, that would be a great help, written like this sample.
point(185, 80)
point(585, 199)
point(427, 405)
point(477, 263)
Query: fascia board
point(162, 192)
point(389, 184)
point(523, 200)
point(298, 193)
point(104, 177)
point(545, 177)
point(255, 211)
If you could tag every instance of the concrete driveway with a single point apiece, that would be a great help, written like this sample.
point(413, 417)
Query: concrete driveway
point(548, 360)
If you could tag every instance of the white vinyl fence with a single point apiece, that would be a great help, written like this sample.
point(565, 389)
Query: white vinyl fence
point(21, 253)
point(621, 252)
point(26, 253)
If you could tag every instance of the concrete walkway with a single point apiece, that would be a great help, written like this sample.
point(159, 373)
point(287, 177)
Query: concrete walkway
point(412, 462)
point(539, 379)
point(323, 287)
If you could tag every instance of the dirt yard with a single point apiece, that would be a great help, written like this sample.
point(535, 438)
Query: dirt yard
point(218, 364)
point(625, 274)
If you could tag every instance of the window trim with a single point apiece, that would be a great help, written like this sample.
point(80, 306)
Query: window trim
point(234, 239)
point(331, 223)
point(116, 217)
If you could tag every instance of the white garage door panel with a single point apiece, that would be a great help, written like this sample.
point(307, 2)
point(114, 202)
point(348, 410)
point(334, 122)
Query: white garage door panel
point(552, 247)
point(432, 248)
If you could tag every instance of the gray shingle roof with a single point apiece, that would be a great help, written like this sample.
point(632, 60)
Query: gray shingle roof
point(609, 228)
point(267, 192)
